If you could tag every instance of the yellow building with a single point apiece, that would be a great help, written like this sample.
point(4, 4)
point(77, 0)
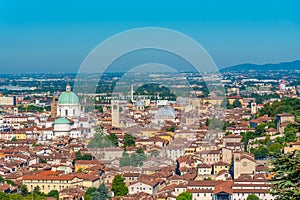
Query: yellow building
point(46, 183)
point(219, 166)
point(165, 136)
point(21, 136)
point(212, 100)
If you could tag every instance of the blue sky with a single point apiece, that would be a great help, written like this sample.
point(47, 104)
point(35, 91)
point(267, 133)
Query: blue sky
point(55, 36)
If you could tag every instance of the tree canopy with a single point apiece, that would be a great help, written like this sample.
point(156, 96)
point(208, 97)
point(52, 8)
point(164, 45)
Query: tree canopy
point(252, 197)
point(129, 140)
point(82, 157)
point(96, 196)
point(286, 171)
point(135, 159)
point(113, 139)
point(118, 186)
point(99, 140)
point(237, 103)
point(103, 192)
point(184, 196)
point(53, 193)
point(288, 105)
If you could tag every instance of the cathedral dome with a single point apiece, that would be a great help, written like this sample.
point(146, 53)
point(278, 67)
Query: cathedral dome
point(165, 112)
point(61, 120)
point(68, 98)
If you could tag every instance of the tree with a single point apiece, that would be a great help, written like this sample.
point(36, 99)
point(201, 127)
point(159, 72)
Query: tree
point(37, 190)
point(99, 141)
point(225, 104)
point(237, 103)
point(82, 157)
point(10, 182)
point(88, 193)
point(141, 157)
point(274, 148)
point(14, 139)
point(259, 129)
point(245, 138)
point(261, 152)
point(290, 137)
point(289, 105)
point(292, 128)
point(114, 139)
point(252, 197)
point(118, 186)
point(135, 159)
point(171, 128)
point(1, 179)
point(53, 193)
point(154, 153)
point(90, 190)
point(286, 171)
point(15, 197)
point(96, 196)
point(87, 197)
point(267, 140)
point(129, 140)
point(23, 190)
point(215, 123)
point(103, 192)
point(125, 161)
point(184, 196)
point(4, 196)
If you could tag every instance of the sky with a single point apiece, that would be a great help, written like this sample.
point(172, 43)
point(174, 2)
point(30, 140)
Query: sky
point(56, 35)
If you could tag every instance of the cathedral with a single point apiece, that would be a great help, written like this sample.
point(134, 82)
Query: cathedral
point(68, 119)
point(68, 104)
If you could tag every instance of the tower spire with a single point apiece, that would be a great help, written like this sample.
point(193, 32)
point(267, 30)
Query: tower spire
point(68, 88)
point(132, 92)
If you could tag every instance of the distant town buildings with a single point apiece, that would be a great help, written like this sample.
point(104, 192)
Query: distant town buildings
point(162, 147)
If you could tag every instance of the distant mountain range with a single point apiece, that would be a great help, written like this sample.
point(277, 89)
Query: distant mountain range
point(294, 65)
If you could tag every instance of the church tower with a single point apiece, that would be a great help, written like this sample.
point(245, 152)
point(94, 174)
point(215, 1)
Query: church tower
point(115, 112)
point(253, 108)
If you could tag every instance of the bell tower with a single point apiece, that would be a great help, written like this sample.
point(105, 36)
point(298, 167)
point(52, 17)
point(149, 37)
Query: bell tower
point(115, 112)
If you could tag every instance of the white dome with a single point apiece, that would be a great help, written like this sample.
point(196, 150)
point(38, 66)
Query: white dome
point(165, 112)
